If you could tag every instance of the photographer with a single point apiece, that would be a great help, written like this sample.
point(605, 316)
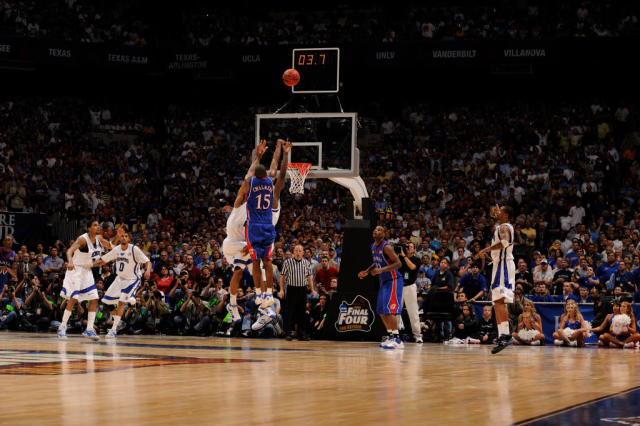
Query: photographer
point(178, 290)
point(39, 308)
point(188, 311)
point(409, 271)
point(135, 317)
point(11, 306)
point(158, 320)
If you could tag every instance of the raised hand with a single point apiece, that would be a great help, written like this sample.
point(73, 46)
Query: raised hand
point(286, 146)
point(262, 148)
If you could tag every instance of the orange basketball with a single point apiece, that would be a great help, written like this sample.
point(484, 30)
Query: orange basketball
point(291, 77)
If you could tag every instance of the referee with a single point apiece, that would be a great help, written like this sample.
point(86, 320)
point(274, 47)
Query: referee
point(296, 279)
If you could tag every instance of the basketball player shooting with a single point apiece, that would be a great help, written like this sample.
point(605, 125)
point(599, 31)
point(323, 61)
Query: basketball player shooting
point(503, 276)
point(389, 305)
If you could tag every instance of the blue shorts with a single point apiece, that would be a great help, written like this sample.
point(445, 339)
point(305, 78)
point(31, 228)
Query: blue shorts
point(260, 238)
point(390, 297)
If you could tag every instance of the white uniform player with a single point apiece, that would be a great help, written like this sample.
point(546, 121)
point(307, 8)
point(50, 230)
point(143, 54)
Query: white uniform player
point(79, 283)
point(503, 276)
point(235, 241)
point(129, 263)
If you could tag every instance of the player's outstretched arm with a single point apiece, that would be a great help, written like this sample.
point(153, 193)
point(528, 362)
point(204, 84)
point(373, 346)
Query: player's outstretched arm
point(276, 158)
point(242, 192)
point(258, 153)
point(286, 147)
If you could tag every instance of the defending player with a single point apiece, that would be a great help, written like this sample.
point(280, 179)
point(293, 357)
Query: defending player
point(79, 284)
point(128, 259)
point(503, 276)
point(385, 265)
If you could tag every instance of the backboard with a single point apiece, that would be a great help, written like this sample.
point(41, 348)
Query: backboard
point(326, 140)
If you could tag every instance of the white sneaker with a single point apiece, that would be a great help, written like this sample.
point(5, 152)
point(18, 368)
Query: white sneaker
point(383, 341)
point(111, 335)
point(419, 339)
point(62, 334)
point(263, 319)
point(573, 344)
point(233, 310)
point(90, 334)
point(399, 343)
point(558, 342)
point(612, 345)
point(390, 343)
point(259, 299)
point(472, 341)
point(535, 343)
point(629, 345)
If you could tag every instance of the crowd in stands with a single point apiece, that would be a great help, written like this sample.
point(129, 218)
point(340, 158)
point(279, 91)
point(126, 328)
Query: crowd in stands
point(570, 172)
point(202, 25)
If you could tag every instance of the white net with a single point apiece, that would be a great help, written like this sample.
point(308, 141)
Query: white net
point(297, 172)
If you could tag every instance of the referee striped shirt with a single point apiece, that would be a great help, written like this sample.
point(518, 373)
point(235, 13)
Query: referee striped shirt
point(296, 272)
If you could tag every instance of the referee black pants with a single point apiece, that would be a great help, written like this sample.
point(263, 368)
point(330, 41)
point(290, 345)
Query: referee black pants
point(295, 306)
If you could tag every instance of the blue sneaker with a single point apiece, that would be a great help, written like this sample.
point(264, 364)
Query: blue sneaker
point(62, 334)
point(90, 334)
point(111, 335)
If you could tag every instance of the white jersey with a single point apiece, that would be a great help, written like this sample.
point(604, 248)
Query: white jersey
point(84, 257)
point(236, 223)
point(128, 261)
point(505, 253)
point(504, 269)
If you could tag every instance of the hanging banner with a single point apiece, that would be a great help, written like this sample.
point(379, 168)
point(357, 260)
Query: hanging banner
point(25, 228)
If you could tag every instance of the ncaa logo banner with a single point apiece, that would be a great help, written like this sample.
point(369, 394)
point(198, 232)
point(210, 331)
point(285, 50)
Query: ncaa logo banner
point(355, 316)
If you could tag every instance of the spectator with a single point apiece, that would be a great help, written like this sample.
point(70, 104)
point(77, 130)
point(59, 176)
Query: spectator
point(524, 278)
point(584, 296)
point(544, 275)
point(567, 293)
point(604, 323)
point(606, 269)
point(53, 264)
point(542, 294)
point(473, 284)
point(466, 325)
point(488, 330)
point(324, 274)
point(622, 278)
point(11, 307)
point(562, 275)
point(590, 281)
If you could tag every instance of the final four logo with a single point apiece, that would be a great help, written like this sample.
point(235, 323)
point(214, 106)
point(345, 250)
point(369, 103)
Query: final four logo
point(355, 316)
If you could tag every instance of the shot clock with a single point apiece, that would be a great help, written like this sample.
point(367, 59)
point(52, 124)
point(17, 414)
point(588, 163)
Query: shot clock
point(319, 70)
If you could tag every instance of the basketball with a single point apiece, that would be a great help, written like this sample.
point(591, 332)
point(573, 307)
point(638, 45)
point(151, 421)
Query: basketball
point(291, 77)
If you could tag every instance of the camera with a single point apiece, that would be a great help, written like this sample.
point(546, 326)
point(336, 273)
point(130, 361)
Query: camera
point(398, 248)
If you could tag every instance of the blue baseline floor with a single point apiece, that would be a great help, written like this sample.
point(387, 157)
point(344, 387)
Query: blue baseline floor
point(619, 408)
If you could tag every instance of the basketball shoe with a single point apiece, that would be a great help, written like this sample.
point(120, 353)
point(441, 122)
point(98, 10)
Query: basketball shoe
point(90, 334)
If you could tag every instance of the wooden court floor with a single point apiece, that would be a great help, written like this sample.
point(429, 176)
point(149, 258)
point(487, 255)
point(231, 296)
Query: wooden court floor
point(179, 380)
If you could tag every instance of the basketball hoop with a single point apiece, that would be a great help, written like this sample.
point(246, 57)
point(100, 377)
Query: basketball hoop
point(297, 172)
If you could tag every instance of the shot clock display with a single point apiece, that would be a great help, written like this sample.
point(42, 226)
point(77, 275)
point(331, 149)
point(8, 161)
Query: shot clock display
point(319, 70)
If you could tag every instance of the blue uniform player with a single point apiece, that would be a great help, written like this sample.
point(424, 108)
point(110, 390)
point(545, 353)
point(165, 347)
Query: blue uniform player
point(7, 259)
point(260, 231)
point(385, 265)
